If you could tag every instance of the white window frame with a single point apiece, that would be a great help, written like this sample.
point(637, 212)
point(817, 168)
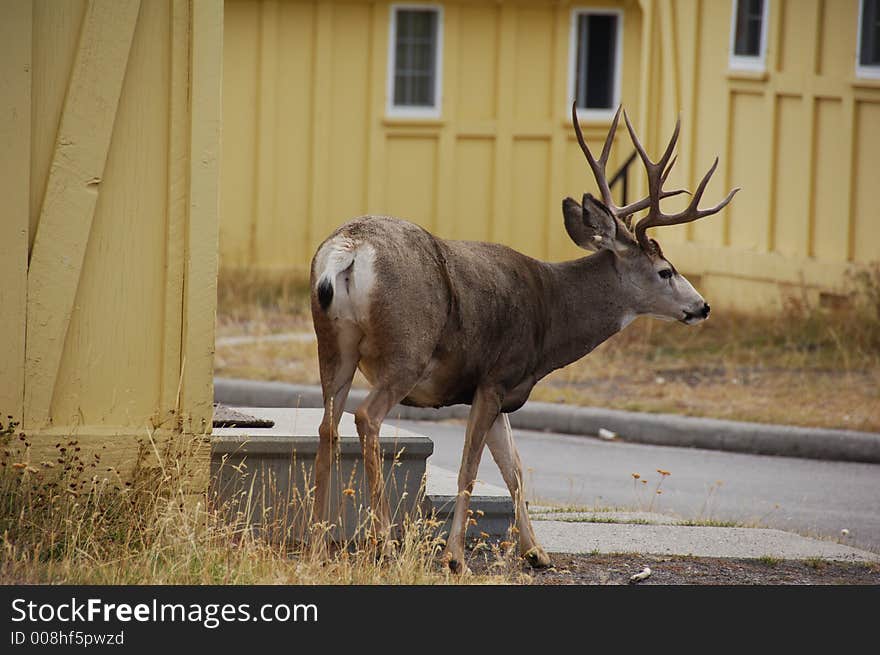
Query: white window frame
point(409, 111)
point(583, 112)
point(749, 62)
point(870, 72)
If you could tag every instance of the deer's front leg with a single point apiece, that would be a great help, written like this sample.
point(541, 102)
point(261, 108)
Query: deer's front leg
point(503, 449)
point(484, 410)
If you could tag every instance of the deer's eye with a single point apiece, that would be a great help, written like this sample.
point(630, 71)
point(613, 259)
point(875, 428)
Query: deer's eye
point(666, 273)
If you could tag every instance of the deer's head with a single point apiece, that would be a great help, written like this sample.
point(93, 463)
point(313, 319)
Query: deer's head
point(655, 286)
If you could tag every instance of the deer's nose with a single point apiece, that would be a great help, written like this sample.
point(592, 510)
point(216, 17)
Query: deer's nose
point(705, 310)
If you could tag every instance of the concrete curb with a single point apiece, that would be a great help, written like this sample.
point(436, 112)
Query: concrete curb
point(657, 429)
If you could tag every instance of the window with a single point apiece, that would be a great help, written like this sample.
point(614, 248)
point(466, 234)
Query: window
point(868, 63)
point(595, 66)
point(748, 34)
point(415, 58)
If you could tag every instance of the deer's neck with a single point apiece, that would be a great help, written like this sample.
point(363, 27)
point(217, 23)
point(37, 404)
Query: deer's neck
point(591, 304)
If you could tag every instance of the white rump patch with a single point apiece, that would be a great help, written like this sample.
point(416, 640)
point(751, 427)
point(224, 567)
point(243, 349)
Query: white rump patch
point(350, 268)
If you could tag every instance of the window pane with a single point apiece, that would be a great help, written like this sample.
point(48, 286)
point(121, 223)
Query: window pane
point(401, 90)
point(869, 55)
point(596, 61)
point(749, 20)
point(415, 57)
point(423, 57)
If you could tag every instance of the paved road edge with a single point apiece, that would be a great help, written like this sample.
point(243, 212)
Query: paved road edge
point(657, 429)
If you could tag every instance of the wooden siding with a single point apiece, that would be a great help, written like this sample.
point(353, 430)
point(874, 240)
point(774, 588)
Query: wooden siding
point(309, 145)
point(110, 158)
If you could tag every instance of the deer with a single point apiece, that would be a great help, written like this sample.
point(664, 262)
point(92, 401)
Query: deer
point(432, 322)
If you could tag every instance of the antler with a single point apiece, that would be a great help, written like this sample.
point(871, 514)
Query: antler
point(657, 174)
point(598, 168)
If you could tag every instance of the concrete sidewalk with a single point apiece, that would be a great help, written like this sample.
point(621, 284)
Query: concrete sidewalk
point(646, 533)
point(295, 430)
point(657, 429)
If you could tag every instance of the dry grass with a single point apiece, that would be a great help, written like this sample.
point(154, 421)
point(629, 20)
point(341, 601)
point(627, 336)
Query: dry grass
point(71, 520)
point(802, 366)
point(255, 303)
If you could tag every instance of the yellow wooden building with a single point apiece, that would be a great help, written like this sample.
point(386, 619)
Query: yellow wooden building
point(109, 171)
point(455, 115)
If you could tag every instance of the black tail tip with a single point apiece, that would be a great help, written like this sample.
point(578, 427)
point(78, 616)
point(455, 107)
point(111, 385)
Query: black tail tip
point(325, 293)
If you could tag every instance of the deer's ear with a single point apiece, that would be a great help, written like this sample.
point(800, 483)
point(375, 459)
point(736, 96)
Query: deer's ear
point(590, 224)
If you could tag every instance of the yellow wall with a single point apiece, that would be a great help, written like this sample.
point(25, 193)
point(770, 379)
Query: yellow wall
point(109, 154)
point(801, 139)
point(308, 145)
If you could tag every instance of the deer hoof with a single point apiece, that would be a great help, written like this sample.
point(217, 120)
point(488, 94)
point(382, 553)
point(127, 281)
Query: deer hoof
point(456, 564)
point(537, 558)
point(458, 567)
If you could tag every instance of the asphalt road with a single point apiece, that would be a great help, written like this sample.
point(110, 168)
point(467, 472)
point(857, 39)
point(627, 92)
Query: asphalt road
point(813, 498)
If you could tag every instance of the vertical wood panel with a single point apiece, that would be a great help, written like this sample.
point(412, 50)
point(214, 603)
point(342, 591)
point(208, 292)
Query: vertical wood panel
point(175, 231)
point(790, 199)
point(113, 281)
point(445, 190)
point(240, 103)
point(267, 229)
point(866, 232)
point(56, 33)
point(72, 192)
point(836, 54)
point(711, 116)
point(691, 18)
point(200, 297)
point(534, 63)
point(15, 147)
point(294, 114)
point(797, 35)
point(555, 236)
point(321, 128)
point(528, 190)
point(477, 50)
point(411, 170)
point(831, 217)
point(346, 144)
point(505, 73)
point(748, 215)
point(376, 138)
point(473, 190)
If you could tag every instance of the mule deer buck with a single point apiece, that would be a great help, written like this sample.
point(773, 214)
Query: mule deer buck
point(432, 322)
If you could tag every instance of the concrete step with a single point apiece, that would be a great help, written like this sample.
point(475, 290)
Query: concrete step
point(262, 475)
point(259, 470)
point(492, 506)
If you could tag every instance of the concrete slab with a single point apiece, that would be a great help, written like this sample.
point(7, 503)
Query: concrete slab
point(263, 476)
point(567, 537)
point(304, 422)
point(539, 513)
point(280, 459)
point(442, 482)
point(492, 505)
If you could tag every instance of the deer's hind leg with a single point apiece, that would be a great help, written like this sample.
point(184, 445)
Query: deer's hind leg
point(368, 418)
point(338, 356)
point(393, 371)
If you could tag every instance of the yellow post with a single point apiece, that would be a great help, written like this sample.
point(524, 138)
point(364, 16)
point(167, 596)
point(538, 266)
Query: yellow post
point(15, 145)
point(109, 170)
